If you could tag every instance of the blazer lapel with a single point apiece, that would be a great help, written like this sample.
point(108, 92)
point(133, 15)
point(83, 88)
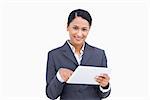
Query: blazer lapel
point(68, 53)
point(86, 55)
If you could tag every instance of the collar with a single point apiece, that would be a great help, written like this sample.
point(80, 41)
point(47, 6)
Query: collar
point(73, 48)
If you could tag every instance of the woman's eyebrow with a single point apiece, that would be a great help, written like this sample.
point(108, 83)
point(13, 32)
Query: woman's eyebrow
point(84, 27)
point(76, 25)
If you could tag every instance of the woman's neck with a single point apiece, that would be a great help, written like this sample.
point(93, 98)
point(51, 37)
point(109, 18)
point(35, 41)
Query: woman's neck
point(77, 47)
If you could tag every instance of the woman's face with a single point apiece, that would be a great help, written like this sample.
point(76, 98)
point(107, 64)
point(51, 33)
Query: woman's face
point(78, 30)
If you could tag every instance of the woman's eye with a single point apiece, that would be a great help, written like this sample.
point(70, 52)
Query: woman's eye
point(84, 29)
point(75, 28)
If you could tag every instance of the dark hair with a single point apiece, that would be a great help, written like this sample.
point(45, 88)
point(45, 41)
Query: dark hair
point(80, 13)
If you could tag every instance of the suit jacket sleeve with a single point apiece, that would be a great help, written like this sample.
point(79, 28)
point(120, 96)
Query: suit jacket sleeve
point(53, 86)
point(104, 64)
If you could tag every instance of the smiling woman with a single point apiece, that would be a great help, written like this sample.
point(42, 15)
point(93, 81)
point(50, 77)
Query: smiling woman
point(78, 30)
point(64, 60)
point(30, 28)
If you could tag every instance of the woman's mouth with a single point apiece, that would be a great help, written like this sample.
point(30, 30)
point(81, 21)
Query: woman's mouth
point(78, 38)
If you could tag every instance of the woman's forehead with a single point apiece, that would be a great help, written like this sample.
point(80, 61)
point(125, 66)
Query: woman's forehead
point(79, 21)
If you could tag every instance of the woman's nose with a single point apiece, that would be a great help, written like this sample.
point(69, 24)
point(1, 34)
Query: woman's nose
point(79, 33)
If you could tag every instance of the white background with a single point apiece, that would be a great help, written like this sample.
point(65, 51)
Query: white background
point(30, 28)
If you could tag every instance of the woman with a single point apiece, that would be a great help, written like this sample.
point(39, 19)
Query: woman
point(63, 60)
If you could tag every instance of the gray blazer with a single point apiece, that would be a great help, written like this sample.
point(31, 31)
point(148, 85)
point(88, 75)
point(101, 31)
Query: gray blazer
point(63, 57)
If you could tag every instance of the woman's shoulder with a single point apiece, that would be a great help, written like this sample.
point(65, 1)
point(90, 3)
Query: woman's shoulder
point(55, 50)
point(94, 47)
point(59, 49)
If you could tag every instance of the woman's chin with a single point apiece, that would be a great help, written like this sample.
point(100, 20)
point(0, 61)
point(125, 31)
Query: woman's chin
point(78, 42)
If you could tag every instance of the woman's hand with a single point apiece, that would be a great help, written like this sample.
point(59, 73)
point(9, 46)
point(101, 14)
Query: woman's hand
point(65, 73)
point(103, 80)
